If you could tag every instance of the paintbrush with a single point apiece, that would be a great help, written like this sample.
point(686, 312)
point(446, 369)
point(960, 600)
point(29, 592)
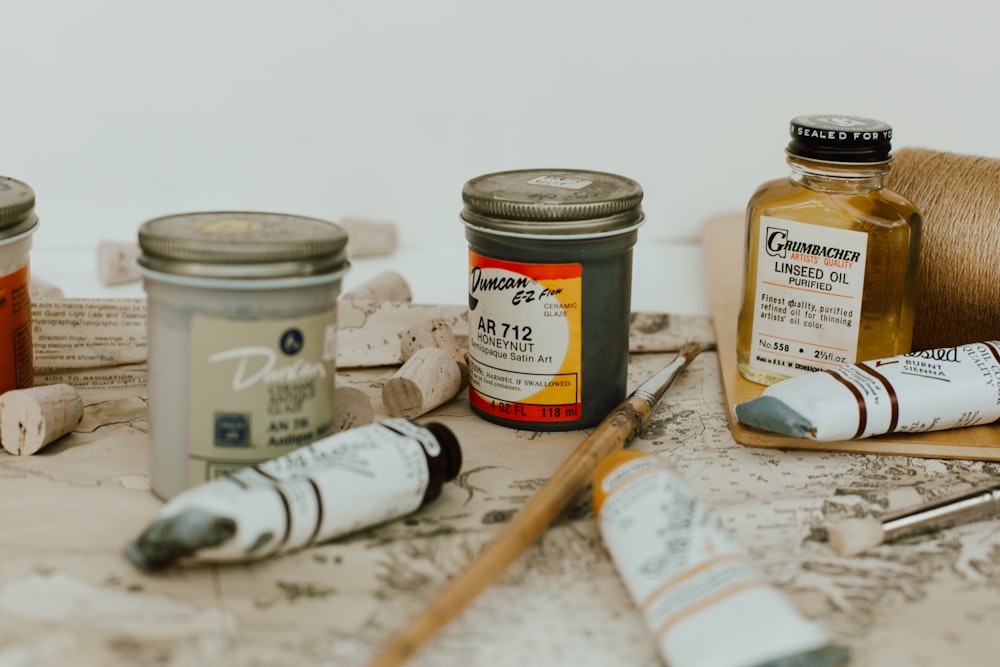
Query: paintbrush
point(852, 536)
point(538, 513)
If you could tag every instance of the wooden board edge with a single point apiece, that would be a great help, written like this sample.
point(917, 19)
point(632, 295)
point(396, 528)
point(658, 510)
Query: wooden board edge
point(723, 242)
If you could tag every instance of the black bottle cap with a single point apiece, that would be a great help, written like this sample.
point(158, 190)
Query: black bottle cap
point(446, 465)
point(833, 138)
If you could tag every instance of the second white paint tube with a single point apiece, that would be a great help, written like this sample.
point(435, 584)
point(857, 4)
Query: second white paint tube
point(703, 601)
point(931, 390)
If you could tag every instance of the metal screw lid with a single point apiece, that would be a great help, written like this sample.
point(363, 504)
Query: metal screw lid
point(242, 244)
point(846, 139)
point(553, 202)
point(17, 207)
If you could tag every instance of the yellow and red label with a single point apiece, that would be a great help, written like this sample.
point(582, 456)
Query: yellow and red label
point(16, 359)
point(525, 339)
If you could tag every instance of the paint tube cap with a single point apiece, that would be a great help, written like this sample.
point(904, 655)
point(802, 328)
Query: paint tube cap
point(846, 139)
point(446, 464)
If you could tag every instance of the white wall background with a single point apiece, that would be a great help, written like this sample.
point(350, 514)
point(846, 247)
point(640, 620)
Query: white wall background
point(117, 111)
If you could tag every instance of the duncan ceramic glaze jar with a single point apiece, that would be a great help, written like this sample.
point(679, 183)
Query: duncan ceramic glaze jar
point(17, 224)
point(242, 339)
point(550, 283)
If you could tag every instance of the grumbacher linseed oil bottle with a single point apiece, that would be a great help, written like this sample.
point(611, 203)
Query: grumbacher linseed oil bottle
point(831, 255)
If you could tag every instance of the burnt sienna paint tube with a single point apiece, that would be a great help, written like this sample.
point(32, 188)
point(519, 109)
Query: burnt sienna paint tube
point(703, 602)
point(335, 486)
point(930, 390)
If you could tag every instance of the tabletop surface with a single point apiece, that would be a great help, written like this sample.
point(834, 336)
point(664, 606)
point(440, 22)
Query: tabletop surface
point(68, 595)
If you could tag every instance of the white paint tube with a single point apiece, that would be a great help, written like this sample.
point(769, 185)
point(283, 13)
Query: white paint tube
point(930, 390)
point(704, 603)
point(335, 486)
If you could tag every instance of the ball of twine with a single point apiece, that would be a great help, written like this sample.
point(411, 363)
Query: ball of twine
point(958, 286)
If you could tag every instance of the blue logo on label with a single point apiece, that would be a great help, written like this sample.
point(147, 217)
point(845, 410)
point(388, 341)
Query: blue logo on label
point(232, 429)
point(291, 342)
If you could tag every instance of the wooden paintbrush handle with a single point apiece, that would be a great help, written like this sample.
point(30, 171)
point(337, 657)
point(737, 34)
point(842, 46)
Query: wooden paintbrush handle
point(538, 513)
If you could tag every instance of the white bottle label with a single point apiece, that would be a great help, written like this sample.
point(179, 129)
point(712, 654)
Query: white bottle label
point(807, 309)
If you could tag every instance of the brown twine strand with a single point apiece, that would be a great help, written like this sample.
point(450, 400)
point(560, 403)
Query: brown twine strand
point(958, 286)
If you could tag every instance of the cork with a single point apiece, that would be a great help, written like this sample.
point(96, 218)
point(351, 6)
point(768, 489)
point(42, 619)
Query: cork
point(39, 288)
point(369, 238)
point(428, 379)
point(116, 262)
point(34, 417)
point(386, 286)
point(434, 333)
point(351, 408)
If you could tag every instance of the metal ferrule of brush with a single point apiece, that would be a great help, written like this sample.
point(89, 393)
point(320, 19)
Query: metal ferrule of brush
point(960, 508)
point(652, 389)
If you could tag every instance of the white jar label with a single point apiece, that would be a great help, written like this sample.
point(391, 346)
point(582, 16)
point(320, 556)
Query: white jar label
point(525, 339)
point(807, 309)
point(258, 389)
point(564, 182)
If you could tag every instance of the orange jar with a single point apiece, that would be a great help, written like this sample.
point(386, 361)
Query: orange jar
point(17, 224)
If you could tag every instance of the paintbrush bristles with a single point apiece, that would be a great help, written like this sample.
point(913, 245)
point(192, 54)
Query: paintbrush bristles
point(690, 350)
point(853, 536)
point(653, 388)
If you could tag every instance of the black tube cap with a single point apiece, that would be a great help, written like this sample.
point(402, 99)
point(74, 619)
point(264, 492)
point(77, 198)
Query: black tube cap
point(446, 465)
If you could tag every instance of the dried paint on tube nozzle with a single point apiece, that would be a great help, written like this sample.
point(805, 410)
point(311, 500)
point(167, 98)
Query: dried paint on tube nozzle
point(703, 601)
point(335, 486)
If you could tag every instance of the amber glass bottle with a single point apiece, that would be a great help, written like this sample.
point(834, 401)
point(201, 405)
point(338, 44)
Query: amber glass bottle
point(831, 255)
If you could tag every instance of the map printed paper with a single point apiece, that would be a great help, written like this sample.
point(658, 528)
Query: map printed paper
point(68, 596)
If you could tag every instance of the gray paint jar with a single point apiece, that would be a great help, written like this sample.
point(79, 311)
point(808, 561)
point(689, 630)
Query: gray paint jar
point(550, 285)
point(242, 315)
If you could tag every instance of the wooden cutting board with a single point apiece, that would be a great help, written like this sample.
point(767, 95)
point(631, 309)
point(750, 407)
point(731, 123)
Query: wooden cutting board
point(723, 239)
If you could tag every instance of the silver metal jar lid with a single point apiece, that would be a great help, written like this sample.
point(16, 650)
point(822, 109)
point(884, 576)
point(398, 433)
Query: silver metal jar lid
point(17, 207)
point(552, 202)
point(242, 244)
